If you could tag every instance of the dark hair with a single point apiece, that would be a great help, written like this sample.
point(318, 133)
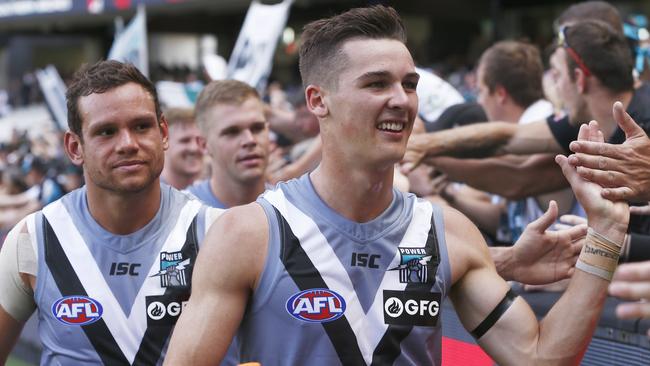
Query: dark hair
point(99, 78)
point(320, 52)
point(604, 51)
point(221, 92)
point(594, 10)
point(515, 66)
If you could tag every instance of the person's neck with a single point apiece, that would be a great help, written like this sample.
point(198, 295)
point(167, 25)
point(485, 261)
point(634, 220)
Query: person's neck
point(178, 181)
point(600, 106)
point(356, 194)
point(123, 213)
point(510, 112)
point(232, 193)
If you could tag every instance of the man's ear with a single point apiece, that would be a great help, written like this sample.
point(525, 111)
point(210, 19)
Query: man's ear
point(164, 130)
point(580, 80)
point(73, 147)
point(501, 94)
point(315, 99)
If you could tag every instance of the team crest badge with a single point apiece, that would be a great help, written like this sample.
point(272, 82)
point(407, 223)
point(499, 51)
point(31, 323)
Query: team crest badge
point(413, 267)
point(173, 269)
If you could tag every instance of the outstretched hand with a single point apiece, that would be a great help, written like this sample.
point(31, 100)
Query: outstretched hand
point(604, 216)
point(544, 256)
point(623, 170)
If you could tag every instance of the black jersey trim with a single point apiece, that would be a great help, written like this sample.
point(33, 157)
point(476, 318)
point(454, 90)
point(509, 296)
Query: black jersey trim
point(389, 348)
point(69, 285)
point(306, 276)
point(154, 338)
point(98, 334)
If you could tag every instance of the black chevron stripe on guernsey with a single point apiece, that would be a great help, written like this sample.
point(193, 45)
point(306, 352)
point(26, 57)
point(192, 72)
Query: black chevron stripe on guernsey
point(306, 276)
point(100, 337)
point(69, 285)
point(389, 348)
point(154, 338)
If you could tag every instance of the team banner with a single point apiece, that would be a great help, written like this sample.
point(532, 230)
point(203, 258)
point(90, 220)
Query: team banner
point(130, 45)
point(435, 95)
point(252, 58)
point(54, 91)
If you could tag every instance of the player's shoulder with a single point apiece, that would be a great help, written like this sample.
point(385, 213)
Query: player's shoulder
point(465, 244)
point(247, 224)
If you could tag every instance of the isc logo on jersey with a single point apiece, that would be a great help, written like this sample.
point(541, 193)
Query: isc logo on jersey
point(316, 305)
point(77, 310)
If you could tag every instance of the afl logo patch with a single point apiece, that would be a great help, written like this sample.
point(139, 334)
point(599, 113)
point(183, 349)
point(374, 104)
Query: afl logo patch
point(318, 305)
point(77, 310)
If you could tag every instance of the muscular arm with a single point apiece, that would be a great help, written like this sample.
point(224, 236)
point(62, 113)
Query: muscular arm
point(517, 337)
point(511, 177)
point(482, 140)
point(224, 277)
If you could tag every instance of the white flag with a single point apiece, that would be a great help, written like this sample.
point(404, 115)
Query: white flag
point(130, 45)
point(54, 91)
point(435, 95)
point(252, 58)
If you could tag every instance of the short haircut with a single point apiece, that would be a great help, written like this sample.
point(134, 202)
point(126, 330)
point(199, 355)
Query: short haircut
point(99, 78)
point(179, 115)
point(232, 92)
point(517, 67)
point(604, 51)
point(321, 58)
point(594, 10)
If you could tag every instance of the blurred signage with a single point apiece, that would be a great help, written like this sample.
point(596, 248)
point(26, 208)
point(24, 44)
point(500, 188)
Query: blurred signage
point(252, 58)
point(54, 90)
point(28, 8)
point(32, 7)
point(131, 44)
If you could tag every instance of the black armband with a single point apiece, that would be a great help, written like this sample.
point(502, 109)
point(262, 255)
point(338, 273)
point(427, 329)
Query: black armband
point(639, 248)
point(495, 315)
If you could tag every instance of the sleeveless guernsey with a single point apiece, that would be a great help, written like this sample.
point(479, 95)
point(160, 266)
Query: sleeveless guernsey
point(337, 292)
point(113, 299)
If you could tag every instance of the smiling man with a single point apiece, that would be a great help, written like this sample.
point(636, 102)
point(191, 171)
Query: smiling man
point(231, 117)
point(337, 267)
point(184, 157)
point(109, 265)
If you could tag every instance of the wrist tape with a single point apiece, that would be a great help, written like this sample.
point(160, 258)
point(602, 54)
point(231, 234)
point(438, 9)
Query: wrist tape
point(599, 255)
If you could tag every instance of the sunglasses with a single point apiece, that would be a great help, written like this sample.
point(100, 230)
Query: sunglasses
point(562, 42)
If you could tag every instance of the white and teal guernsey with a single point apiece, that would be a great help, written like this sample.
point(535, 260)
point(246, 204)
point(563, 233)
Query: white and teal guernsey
point(337, 292)
point(113, 299)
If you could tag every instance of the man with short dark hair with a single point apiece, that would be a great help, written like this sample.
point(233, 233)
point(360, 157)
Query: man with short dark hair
point(337, 267)
point(108, 266)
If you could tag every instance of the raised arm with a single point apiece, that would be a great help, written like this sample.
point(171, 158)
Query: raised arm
point(517, 337)
point(226, 273)
point(481, 140)
point(518, 177)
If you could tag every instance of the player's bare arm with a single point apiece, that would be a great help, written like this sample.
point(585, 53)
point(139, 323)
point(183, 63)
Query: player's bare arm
point(481, 140)
point(16, 288)
point(226, 273)
point(521, 176)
